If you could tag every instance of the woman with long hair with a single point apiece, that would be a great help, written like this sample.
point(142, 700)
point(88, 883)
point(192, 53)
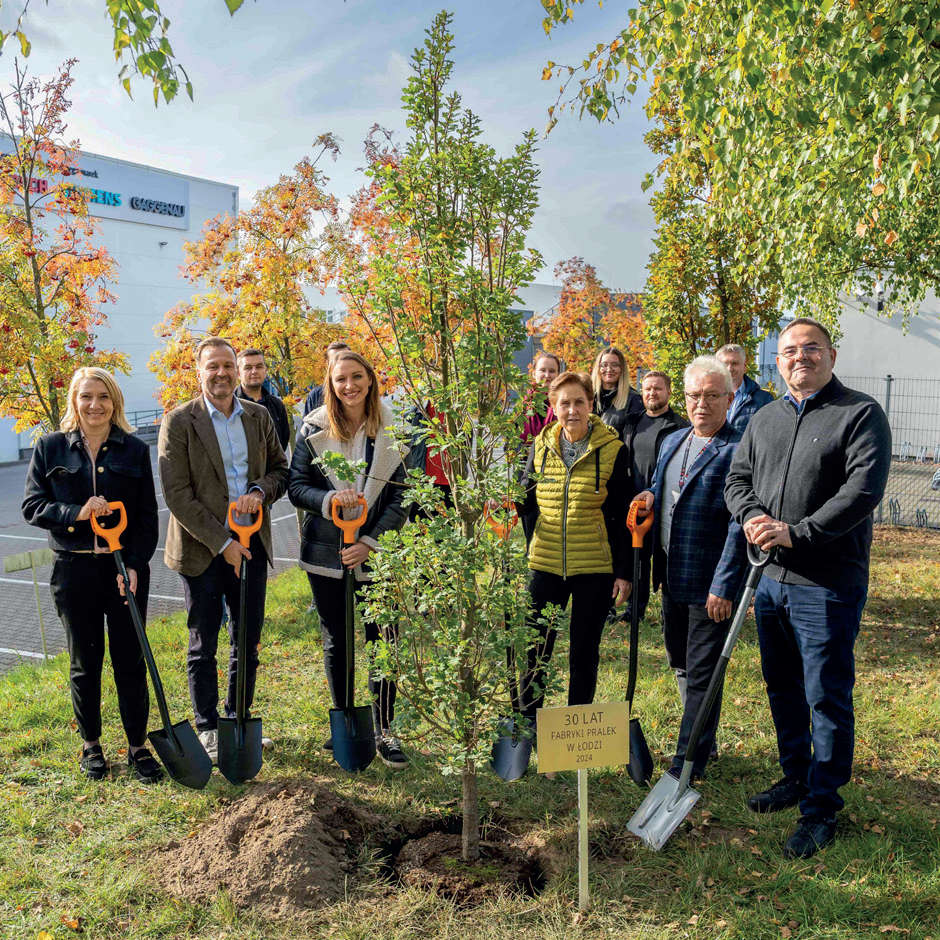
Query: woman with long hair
point(545, 369)
point(352, 421)
point(614, 398)
point(74, 473)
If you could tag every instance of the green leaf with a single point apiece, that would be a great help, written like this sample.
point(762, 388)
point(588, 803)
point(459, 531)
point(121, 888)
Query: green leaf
point(233, 5)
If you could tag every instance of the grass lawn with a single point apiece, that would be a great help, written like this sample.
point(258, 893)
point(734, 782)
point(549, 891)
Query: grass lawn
point(75, 855)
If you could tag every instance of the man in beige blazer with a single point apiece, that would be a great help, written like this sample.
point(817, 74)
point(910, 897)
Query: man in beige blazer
point(215, 450)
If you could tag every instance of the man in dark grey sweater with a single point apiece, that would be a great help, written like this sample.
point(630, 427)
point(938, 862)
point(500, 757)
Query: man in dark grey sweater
point(805, 478)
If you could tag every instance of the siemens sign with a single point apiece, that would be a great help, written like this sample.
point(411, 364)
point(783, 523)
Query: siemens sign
point(155, 205)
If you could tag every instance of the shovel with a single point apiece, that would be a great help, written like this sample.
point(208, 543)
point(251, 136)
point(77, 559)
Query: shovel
point(512, 749)
point(352, 728)
point(240, 737)
point(178, 747)
point(671, 800)
point(640, 762)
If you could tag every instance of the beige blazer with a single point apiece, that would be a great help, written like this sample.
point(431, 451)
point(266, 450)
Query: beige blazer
point(195, 487)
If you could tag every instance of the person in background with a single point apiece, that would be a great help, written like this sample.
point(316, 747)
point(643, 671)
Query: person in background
point(252, 373)
point(212, 451)
point(575, 483)
point(644, 434)
point(699, 551)
point(546, 368)
point(748, 395)
point(73, 474)
point(353, 422)
point(315, 396)
point(810, 470)
point(614, 398)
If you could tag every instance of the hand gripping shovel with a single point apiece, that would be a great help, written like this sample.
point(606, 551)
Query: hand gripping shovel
point(177, 745)
point(671, 800)
point(352, 728)
point(640, 763)
point(511, 750)
point(240, 737)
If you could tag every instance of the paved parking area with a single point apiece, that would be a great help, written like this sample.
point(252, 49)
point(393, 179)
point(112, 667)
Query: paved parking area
point(20, 639)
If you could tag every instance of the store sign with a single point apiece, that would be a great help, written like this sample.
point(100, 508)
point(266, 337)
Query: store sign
point(155, 205)
point(98, 197)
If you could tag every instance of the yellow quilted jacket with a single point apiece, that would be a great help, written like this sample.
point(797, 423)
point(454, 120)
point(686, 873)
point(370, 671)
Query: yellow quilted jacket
point(570, 535)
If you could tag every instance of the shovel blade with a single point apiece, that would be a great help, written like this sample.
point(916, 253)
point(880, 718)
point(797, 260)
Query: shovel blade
point(239, 749)
point(185, 759)
point(353, 737)
point(511, 752)
point(640, 765)
point(662, 811)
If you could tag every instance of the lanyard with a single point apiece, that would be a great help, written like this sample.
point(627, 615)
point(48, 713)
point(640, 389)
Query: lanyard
point(683, 473)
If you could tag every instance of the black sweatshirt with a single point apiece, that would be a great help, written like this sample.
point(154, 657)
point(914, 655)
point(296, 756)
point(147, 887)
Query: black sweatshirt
point(823, 472)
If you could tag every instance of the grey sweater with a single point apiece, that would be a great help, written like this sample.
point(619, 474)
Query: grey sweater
point(822, 471)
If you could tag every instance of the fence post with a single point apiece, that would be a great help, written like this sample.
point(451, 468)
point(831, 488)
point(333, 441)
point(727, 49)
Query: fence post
point(888, 380)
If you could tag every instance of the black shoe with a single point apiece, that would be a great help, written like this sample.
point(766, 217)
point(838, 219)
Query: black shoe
point(93, 765)
point(143, 765)
point(783, 794)
point(389, 749)
point(811, 834)
point(328, 744)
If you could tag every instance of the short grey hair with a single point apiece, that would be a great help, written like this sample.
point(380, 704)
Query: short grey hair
point(733, 349)
point(709, 365)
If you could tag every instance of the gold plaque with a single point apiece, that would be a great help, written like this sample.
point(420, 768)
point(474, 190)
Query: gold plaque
point(582, 736)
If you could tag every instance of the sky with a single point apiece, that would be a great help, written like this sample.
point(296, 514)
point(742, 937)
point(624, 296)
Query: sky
point(279, 73)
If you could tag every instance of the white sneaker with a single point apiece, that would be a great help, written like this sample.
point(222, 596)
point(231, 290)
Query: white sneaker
point(210, 741)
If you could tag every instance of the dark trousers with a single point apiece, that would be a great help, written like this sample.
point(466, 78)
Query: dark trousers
point(807, 640)
point(85, 592)
point(207, 595)
point(329, 594)
point(693, 644)
point(590, 601)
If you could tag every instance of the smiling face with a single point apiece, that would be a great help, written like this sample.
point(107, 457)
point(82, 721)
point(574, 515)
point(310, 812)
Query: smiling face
point(94, 406)
point(707, 400)
point(218, 375)
point(572, 408)
point(546, 371)
point(351, 384)
point(610, 370)
point(805, 359)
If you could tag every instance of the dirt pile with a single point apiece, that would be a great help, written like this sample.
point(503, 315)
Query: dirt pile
point(284, 848)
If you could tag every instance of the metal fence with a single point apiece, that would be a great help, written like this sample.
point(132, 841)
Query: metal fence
point(912, 497)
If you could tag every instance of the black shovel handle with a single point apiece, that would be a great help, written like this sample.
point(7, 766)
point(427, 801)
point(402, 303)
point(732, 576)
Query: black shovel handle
point(638, 528)
point(241, 672)
point(349, 578)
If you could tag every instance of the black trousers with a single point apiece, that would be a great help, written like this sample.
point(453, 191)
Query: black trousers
point(207, 595)
point(590, 601)
point(329, 594)
point(693, 644)
point(84, 589)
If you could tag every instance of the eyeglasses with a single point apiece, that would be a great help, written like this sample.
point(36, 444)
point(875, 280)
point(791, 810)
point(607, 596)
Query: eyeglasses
point(710, 397)
point(810, 350)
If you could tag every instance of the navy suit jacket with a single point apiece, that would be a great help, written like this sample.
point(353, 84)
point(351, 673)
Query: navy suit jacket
point(707, 549)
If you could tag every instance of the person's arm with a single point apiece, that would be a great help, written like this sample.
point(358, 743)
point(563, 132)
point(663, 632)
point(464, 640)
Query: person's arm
point(282, 424)
point(732, 566)
point(305, 484)
point(740, 498)
point(40, 507)
point(619, 494)
point(528, 509)
point(145, 530)
point(393, 514)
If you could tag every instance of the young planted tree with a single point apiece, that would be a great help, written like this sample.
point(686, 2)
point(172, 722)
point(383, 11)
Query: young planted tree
point(258, 270)
point(431, 272)
point(53, 278)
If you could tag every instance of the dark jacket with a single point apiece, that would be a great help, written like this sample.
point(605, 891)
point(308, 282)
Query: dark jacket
point(707, 549)
point(309, 487)
point(753, 398)
point(276, 409)
point(616, 418)
point(671, 423)
point(313, 400)
point(59, 483)
point(823, 472)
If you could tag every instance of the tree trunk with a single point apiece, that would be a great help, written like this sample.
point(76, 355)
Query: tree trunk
point(470, 835)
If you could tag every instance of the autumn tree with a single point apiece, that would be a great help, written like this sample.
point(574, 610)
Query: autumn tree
point(589, 316)
point(54, 279)
point(820, 121)
point(257, 272)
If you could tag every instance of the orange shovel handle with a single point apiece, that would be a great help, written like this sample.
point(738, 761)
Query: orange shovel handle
point(502, 529)
point(639, 527)
point(349, 526)
point(244, 532)
point(111, 535)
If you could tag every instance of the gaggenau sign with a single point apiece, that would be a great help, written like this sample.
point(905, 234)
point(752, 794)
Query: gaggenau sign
point(141, 204)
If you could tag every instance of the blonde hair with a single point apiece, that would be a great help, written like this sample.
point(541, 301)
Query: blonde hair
point(623, 383)
point(340, 426)
point(70, 421)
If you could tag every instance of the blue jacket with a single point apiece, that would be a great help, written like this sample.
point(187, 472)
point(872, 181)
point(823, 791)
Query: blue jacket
point(753, 398)
point(707, 549)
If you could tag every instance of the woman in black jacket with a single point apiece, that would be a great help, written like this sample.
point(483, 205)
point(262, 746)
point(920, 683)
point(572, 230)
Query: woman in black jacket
point(353, 422)
point(74, 472)
point(614, 398)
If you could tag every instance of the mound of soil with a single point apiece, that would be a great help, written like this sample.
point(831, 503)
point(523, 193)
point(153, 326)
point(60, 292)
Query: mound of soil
point(284, 848)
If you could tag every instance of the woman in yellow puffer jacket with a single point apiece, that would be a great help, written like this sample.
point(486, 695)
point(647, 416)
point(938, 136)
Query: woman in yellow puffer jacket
point(577, 495)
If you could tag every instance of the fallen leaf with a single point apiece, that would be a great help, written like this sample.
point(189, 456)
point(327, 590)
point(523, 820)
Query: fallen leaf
point(891, 928)
point(693, 920)
point(786, 932)
point(74, 829)
point(73, 923)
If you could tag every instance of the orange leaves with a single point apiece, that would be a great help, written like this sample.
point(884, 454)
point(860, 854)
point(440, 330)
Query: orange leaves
point(891, 238)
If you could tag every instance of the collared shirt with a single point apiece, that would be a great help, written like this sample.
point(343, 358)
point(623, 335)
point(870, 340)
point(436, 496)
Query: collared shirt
point(736, 401)
point(799, 404)
point(230, 433)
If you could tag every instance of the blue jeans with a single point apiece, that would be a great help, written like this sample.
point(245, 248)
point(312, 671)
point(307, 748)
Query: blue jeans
point(807, 638)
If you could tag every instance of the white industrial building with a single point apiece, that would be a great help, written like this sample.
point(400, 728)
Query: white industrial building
point(144, 215)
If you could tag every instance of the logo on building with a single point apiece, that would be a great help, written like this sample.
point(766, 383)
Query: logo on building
point(155, 205)
point(100, 196)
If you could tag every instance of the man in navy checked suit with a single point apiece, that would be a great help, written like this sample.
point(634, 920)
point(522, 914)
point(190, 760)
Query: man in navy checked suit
point(699, 551)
